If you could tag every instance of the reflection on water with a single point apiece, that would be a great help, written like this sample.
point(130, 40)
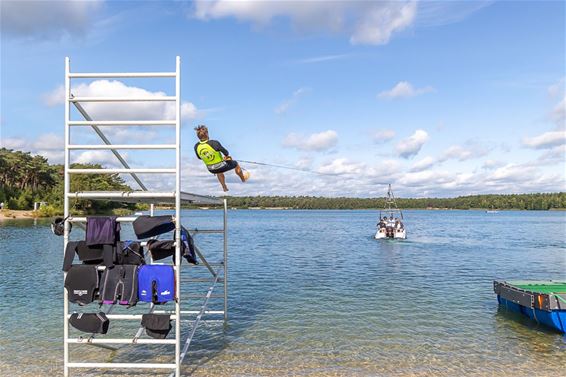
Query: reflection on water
point(313, 294)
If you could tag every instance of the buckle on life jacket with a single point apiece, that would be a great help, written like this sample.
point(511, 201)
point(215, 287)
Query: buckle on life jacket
point(216, 166)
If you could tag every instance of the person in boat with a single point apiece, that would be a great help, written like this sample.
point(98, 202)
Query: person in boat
point(216, 158)
point(381, 223)
point(391, 221)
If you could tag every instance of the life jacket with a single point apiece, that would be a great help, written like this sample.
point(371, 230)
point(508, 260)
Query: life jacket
point(156, 283)
point(156, 325)
point(82, 283)
point(120, 284)
point(94, 323)
point(208, 155)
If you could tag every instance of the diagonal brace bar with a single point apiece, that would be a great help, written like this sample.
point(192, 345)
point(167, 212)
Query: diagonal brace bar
point(107, 142)
point(205, 262)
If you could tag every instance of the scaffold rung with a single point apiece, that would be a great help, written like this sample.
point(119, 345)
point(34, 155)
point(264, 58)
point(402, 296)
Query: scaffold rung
point(87, 75)
point(201, 280)
point(122, 365)
point(122, 122)
point(123, 99)
point(119, 341)
point(120, 194)
point(202, 296)
point(122, 146)
point(127, 171)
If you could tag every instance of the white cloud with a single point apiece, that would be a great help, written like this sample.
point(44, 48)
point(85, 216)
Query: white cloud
point(557, 89)
point(382, 136)
point(47, 19)
point(315, 142)
point(341, 166)
point(48, 145)
point(491, 164)
point(425, 178)
point(380, 22)
point(366, 22)
point(463, 153)
point(322, 58)
point(54, 97)
point(404, 89)
point(411, 146)
point(559, 114)
point(105, 158)
point(285, 105)
point(121, 111)
point(423, 164)
point(437, 13)
point(512, 173)
point(546, 140)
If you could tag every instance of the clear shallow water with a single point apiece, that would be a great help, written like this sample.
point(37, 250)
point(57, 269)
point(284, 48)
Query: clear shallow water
point(313, 294)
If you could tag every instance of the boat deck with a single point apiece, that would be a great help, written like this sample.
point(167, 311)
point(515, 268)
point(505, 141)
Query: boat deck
point(542, 301)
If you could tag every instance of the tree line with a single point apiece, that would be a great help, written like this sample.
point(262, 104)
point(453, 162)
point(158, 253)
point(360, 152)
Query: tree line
point(540, 201)
point(25, 179)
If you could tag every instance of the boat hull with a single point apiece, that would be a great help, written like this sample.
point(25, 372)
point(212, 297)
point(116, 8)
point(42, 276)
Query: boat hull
point(543, 305)
point(395, 234)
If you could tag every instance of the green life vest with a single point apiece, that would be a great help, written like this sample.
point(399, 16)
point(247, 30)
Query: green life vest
point(207, 154)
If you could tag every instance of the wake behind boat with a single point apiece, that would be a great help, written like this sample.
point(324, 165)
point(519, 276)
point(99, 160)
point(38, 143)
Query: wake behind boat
point(390, 226)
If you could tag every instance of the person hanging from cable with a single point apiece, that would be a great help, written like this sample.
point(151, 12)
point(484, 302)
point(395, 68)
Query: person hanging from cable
point(216, 158)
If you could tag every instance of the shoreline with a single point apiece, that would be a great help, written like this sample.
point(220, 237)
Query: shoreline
point(14, 214)
point(7, 214)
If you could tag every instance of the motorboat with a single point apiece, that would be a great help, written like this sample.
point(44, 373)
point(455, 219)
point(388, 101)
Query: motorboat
point(390, 224)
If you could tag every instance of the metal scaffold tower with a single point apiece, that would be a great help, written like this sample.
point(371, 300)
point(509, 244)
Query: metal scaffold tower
point(216, 271)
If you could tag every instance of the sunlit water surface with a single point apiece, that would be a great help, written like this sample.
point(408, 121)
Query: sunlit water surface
point(311, 293)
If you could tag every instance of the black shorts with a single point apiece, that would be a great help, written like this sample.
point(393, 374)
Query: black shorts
point(229, 165)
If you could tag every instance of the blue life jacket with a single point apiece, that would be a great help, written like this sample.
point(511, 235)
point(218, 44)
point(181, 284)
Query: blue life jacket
point(156, 283)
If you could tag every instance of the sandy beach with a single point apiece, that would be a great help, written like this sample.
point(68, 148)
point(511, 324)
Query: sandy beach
point(17, 214)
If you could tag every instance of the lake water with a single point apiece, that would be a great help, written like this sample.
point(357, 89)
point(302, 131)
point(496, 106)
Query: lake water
point(311, 293)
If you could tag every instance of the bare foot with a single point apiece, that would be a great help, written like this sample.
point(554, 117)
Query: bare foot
point(225, 188)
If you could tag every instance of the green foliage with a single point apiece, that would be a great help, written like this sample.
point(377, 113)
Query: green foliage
point(515, 201)
point(25, 179)
point(48, 211)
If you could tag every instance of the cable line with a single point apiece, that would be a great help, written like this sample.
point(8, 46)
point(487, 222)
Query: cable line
point(346, 175)
point(289, 168)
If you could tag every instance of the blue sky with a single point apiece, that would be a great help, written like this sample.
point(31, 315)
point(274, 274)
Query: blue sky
point(438, 98)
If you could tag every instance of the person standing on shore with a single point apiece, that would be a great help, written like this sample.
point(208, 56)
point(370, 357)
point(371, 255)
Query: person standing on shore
point(216, 158)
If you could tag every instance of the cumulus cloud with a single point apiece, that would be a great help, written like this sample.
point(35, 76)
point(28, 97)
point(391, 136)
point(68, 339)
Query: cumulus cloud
point(125, 110)
point(382, 136)
point(546, 140)
point(47, 19)
point(48, 145)
point(364, 21)
point(105, 158)
point(411, 146)
point(491, 164)
point(285, 105)
point(380, 22)
point(462, 153)
point(423, 164)
point(341, 166)
point(404, 89)
point(315, 142)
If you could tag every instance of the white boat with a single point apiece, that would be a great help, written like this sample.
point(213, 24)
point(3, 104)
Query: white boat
point(391, 224)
